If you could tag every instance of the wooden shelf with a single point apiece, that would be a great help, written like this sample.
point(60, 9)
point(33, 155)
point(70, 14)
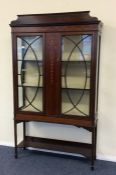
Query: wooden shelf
point(57, 145)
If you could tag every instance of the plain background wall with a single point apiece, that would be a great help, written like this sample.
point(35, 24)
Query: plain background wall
point(105, 11)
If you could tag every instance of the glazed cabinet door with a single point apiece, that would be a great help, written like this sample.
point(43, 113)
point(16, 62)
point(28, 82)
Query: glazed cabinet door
point(76, 56)
point(54, 73)
point(30, 72)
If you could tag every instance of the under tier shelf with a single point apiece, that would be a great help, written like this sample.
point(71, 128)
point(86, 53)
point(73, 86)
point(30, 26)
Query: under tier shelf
point(57, 145)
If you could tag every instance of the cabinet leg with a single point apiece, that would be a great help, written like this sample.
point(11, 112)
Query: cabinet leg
point(95, 142)
point(24, 133)
point(15, 139)
point(92, 163)
point(93, 150)
point(16, 153)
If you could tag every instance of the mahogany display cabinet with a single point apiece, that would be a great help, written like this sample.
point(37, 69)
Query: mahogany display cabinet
point(55, 75)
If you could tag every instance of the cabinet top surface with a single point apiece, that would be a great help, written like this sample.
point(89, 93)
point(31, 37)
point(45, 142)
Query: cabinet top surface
point(69, 18)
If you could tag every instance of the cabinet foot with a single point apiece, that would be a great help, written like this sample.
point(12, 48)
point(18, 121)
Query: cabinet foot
point(16, 153)
point(92, 168)
point(16, 156)
point(24, 148)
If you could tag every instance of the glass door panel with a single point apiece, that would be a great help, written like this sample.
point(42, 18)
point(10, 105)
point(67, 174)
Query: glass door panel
point(75, 74)
point(30, 73)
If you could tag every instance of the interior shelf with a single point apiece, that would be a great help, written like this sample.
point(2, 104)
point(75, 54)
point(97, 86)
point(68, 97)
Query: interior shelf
point(30, 86)
point(76, 61)
point(78, 89)
point(31, 60)
point(70, 88)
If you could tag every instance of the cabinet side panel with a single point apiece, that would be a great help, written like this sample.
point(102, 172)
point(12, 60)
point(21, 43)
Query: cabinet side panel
point(94, 76)
point(14, 62)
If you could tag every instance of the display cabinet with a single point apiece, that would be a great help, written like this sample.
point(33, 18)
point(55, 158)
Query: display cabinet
point(55, 75)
